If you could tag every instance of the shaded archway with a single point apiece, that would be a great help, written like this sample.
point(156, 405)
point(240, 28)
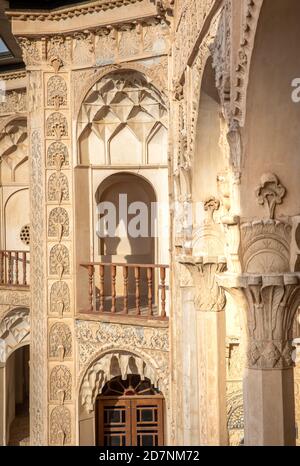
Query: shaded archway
point(14, 378)
point(17, 398)
point(111, 364)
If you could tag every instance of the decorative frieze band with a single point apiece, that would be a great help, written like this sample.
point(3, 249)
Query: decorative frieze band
point(99, 46)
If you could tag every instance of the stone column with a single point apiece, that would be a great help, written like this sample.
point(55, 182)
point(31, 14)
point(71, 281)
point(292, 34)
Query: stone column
point(269, 303)
point(210, 347)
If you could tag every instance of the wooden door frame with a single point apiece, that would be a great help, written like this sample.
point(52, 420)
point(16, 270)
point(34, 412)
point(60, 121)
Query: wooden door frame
point(130, 402)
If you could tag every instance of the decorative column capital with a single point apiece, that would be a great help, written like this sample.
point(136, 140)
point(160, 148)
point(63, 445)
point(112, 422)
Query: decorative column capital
point(270, 303)
point(209, 296)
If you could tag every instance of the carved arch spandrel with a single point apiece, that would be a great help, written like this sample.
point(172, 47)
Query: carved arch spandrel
point(252, 10)
point(197, 71)
point(6, 121)
point(111, 362)
point(14, 331)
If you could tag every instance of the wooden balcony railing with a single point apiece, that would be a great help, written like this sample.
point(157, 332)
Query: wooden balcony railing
point(14, 268)
point(138, 290)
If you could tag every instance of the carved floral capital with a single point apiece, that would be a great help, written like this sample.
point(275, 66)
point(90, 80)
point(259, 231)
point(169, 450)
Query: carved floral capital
point(209, 297)
point(269, 304)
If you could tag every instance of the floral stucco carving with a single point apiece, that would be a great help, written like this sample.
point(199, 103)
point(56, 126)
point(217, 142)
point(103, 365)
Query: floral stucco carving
point(270, 192)
point(92, 335)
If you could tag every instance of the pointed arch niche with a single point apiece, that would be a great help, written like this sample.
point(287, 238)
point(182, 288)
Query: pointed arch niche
point(122, 131)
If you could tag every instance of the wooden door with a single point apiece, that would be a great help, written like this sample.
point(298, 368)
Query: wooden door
point(147, 422)
point(134, 421)
point(114, 423)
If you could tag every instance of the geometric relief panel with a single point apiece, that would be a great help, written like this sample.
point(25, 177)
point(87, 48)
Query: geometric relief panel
point(58, 188)
point(60, 339)
point(59, 260)
point(60, 384)
point(60, 298)
point(58, 223)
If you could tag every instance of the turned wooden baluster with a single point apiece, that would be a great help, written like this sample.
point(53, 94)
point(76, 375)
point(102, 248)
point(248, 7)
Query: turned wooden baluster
point(24, 264)
point(149, 281)
point(91, 271)
point(10, 268)
point(163, 291)
point(17, 268)
point(113, 288)
point(137, 290)
point(1, 267)
point(101, 308)
point(125, 277)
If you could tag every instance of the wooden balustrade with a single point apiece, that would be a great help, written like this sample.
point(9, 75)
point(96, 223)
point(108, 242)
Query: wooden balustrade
point(127, 289)
point(14, 268)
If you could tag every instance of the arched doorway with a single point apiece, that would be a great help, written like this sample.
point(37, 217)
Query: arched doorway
point(132, 375)
point(14, 376)
point(129, 413)
point(17, 399)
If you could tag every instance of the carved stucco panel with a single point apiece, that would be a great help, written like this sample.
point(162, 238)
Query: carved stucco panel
point(150, 344)
point(38, 393)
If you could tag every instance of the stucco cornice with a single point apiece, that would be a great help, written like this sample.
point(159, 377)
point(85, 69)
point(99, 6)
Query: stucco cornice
point(88, 16)
point(12, 75)
point(67, 12)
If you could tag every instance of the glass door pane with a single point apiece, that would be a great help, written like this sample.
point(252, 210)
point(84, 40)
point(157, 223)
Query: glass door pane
point(114, 420)
point(147, 422)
